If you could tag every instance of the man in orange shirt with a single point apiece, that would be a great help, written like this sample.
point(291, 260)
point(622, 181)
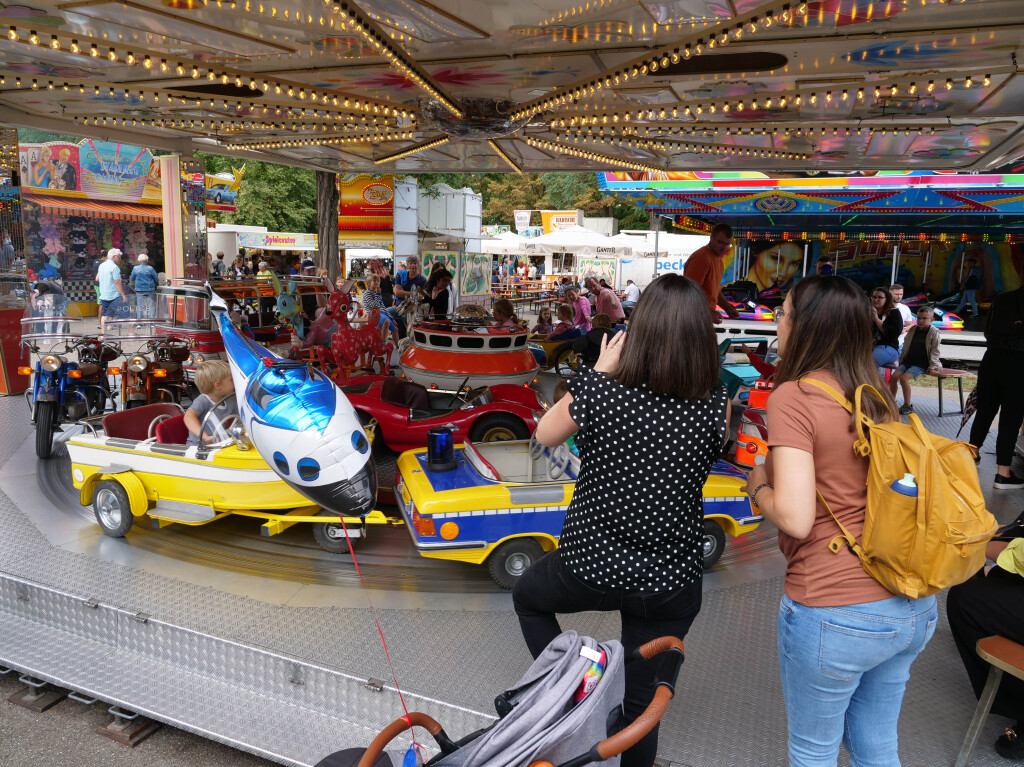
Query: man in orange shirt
point(705, 267)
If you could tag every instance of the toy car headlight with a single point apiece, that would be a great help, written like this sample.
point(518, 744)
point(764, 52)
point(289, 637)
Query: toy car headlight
point(238, 433)
point(50, 363)
point(138, 363)
point(197, 359)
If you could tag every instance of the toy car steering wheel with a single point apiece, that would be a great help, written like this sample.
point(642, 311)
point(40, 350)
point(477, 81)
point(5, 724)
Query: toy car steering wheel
point(536, 449)
point(559, 461)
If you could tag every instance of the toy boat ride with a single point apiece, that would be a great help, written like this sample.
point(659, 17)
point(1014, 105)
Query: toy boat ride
point(447, 355)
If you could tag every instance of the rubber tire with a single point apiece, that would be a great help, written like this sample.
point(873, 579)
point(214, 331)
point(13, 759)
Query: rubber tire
point(521, 551)
point(562, 356)
point(46, 419)
point(127, 519)
point(713, 543)
point(483, 429)
point(217, 198)
point(331, 544)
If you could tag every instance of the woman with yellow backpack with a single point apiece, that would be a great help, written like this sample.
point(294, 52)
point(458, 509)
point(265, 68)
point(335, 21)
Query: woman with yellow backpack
point(846, 642)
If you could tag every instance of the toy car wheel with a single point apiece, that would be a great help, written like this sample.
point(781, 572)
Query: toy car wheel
point(511, 559)
point(217, 198)
point(566, 361)
point(331, 536)
point(46, 417)
point(714, 542)
point(498, 427)
point(112, 508)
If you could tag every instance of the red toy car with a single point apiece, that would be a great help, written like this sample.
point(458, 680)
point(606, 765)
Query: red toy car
point(405, 411)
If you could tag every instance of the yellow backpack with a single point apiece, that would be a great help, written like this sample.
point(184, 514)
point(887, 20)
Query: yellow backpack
point(917, 545)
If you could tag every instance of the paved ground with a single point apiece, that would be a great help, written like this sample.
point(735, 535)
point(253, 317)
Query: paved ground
point(729, 715)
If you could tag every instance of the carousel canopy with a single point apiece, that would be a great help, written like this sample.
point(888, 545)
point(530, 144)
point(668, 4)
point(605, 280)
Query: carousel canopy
point(642, 86)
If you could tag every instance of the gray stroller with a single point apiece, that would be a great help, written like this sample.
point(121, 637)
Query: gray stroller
point(539, 723)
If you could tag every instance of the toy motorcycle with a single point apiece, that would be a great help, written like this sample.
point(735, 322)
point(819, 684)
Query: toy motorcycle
point(155, 374)
point(63, 390)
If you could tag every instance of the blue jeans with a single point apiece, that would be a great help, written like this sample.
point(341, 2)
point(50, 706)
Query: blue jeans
point(968, 295)
point(884, 355)
point(844, 670)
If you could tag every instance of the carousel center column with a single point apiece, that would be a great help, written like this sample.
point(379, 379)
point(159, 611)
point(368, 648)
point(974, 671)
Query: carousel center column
point(184, 212)
point(13, 281)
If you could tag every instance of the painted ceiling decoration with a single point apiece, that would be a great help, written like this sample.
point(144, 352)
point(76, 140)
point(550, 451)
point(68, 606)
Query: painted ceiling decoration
point(647, 86)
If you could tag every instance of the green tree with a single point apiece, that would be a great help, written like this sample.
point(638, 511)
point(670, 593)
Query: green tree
point(510, 192)
point(571, 191)
point(279, 197)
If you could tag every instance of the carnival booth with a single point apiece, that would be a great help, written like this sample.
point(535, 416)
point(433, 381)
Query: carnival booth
point(80, 200)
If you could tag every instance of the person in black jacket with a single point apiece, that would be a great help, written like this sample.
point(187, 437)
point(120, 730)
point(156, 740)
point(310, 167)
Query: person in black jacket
point(888, 327)
point(589, 346)
point(1000, 376)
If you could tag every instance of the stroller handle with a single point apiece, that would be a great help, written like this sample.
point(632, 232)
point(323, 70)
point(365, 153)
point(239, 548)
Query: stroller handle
point(396, 728)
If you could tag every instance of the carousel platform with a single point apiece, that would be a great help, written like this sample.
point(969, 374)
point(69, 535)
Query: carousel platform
point(268, 645)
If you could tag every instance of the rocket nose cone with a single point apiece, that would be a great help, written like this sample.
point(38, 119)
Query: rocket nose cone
point(354, 497)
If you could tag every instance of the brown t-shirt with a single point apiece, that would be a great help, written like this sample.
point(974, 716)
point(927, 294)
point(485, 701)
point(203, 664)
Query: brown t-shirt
point(802, 416)
point(705, 268)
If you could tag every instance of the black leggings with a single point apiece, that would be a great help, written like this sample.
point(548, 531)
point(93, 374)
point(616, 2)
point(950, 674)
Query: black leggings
point(549, 587)
point(999, 389)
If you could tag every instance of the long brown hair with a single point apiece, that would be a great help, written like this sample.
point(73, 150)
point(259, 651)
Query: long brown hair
point(830, 329)
point(671, 346)
point(889, 304)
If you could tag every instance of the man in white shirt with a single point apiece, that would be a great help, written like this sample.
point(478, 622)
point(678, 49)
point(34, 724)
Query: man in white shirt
point(896, 291)
point(112, 294)
point(630, 296)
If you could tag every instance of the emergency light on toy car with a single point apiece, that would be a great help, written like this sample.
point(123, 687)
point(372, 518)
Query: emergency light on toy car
point(440, 449)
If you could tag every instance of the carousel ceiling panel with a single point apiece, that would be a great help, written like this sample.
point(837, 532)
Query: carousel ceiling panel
point(642, 85)
point(164, 30)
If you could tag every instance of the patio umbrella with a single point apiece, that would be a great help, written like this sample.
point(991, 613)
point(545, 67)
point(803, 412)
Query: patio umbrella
point(969, 407)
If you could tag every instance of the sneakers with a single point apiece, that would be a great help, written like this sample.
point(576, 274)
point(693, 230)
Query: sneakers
point(1009, 745)
point(1012, 482)
point(906, 410)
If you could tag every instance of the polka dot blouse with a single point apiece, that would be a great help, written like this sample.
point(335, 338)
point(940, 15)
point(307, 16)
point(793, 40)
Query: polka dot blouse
point(636, 517)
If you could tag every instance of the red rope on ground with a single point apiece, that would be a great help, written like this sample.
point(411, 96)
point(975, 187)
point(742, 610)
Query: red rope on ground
point(380, 632)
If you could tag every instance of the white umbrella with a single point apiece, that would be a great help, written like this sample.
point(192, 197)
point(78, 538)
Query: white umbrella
point(641, 247)
point(505, 244)
point(579, 241)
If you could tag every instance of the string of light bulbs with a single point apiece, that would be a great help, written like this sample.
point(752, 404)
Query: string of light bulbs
point(412, 150)
point(504, 156)
point(844, 129)
point(697, 43)
point(825, 94)
point(156, 61)
point(675, 145)
point(325, 141)
point(618, 162)
point(360, 23)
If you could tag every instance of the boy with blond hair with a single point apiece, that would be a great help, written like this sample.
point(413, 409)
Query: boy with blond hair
point(213, 379)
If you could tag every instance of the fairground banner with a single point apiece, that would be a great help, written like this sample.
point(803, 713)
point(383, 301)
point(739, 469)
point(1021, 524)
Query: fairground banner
point(91, 168)
point(366, 207)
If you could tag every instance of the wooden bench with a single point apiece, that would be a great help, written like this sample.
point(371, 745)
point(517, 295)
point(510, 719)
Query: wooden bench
point(945, 373)
point(1005, 656)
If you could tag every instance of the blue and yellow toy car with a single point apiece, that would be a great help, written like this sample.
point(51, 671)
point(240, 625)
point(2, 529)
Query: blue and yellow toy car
point(504, 504)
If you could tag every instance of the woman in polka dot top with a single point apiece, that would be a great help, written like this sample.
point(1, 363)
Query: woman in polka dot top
point(651, 418)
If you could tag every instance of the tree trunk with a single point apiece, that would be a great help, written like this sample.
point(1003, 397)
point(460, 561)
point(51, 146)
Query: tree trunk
point(327, 223)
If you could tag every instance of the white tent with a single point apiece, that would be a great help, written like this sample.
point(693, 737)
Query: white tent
point(642, 248)
point(580, 242)
point(505, 244)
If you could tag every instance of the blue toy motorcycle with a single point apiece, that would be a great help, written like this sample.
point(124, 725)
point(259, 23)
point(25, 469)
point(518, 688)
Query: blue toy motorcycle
point(64, 390)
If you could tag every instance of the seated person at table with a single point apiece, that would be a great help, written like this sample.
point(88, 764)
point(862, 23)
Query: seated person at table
point(544, 323)
point(564, 329)
point(589, 346)
point(986, 605)
point(213, 379)
point(630, 296)
point(920, 355)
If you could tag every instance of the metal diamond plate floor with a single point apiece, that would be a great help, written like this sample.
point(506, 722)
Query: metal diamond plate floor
point(452, 643)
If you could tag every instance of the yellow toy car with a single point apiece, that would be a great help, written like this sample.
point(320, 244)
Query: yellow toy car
point(504, 504)
point(137, 464)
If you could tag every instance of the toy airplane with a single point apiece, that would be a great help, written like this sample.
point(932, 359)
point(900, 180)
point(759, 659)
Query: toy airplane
point(300, 423)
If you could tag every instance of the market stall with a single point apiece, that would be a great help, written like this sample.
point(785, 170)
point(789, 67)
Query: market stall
point(80, 200)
